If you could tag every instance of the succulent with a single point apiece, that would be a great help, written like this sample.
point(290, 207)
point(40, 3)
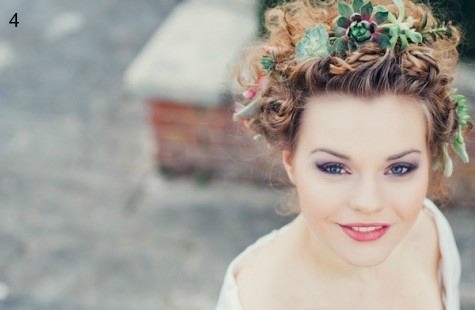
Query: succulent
point(268, 62)
point(314, 43)
point(402, 28)
point(458, 143)
point(357, 24)
point(360, 22)
point(462, 109)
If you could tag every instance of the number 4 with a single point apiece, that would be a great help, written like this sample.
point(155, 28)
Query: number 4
point(14, 20)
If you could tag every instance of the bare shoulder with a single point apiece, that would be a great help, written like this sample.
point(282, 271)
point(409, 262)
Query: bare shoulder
point(258, 278)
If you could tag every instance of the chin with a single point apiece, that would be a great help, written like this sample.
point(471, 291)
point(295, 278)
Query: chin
point(367, 262)
point(370, 258)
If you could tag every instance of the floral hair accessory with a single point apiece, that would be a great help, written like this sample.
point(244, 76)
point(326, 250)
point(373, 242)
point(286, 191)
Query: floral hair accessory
point(269, 59)
point(252, 95)
point(457, 143)
point(314, 43)
point(463, 117)
point(359, 23)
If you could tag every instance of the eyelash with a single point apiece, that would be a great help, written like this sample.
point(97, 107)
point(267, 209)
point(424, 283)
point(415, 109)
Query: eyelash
point(324, 168)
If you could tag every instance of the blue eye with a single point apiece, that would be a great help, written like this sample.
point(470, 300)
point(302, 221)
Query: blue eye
point(402, 169)
point(331, 168)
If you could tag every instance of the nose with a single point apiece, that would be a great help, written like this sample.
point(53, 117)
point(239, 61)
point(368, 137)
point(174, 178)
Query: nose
point(366, 196)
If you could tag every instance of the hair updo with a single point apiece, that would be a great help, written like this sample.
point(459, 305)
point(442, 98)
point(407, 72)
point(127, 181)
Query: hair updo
point(424, 71)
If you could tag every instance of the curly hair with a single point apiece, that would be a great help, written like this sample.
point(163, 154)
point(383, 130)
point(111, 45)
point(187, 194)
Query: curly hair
point(424, 71)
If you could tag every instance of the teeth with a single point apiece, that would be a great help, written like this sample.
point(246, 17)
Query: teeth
point(366, 229)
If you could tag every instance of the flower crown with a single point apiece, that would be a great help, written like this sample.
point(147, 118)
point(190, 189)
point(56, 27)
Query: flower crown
point(356, 25)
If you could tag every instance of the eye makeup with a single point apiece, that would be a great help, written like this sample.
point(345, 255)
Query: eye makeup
point(335, 168)
point(331, 168)
point(403, 168)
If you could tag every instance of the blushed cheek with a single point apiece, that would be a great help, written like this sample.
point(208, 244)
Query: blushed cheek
point(408, 198)
point(320, 200)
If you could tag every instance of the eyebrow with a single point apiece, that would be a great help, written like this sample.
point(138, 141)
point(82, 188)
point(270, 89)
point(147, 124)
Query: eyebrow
point(346, 157)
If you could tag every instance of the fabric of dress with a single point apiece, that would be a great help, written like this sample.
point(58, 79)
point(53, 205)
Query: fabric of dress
point(449, 270)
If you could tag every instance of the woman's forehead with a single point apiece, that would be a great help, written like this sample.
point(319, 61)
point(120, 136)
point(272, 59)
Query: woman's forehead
point(385, 120)
point(336, 110)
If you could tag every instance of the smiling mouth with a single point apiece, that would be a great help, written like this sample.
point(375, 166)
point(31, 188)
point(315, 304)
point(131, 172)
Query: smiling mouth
point(365, 232)
point(365, 229)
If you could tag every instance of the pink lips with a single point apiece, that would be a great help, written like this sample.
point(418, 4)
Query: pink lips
point(365, 231)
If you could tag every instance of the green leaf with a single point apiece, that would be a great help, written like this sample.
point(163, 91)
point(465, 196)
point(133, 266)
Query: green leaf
point(343, 22)
point(381, 17)
point(385, 29)
point(339, 46)
point(357, 4)
point(380, 8)
point(409, 22)
point(268, 62)
point(367, 10)
point(400, 5)
point(458, 145)
point(393, 38)
point(345, 9)
point(392, 18)
point(439, 32)
point(339, 31)
point(404, 42)
point(351, 45)
point(414, 36)
point(248, 111)
point(383, 41)
point(462, 109)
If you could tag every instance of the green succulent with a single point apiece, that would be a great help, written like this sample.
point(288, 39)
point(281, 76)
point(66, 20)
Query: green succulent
point(268, 62)
point(357, 24)
point(361, 31)
point(361, 22)
point(314, 43)
point(458, 143)
point(401, 28)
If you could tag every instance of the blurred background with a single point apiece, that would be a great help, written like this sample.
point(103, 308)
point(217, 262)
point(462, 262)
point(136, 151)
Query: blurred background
point(123, 181)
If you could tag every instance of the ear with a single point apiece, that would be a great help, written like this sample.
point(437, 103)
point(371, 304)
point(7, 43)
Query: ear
point(287, 161)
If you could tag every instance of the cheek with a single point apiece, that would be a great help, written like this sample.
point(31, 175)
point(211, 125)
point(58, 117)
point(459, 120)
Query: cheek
point(319, 198)
point(407, 197)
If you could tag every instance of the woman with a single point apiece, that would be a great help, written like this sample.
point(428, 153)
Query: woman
point(357, 98)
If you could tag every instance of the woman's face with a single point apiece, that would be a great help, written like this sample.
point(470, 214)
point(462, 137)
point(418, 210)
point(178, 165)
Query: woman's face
point(361, 170)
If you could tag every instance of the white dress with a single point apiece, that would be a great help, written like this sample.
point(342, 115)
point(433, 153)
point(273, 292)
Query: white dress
point(449, 272)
